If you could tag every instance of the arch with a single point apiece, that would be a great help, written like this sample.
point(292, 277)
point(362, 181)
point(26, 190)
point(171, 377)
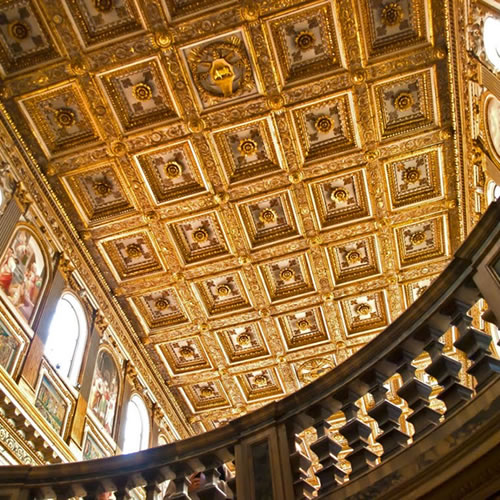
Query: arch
point(136, 431)
point(24, 271)
point(492, 192)
point(162, 440)
point(67, 337)
point(491, 40)
point(105, 390)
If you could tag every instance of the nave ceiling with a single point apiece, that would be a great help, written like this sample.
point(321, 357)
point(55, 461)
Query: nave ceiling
point(264, 186)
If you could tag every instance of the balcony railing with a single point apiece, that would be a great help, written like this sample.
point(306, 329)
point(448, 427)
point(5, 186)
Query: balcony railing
point(452, 425)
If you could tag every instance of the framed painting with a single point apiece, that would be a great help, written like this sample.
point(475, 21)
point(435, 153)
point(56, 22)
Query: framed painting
point(53, 401)
point(91, 448)
point(105, 389)
point(10, 347)
point(23, 271)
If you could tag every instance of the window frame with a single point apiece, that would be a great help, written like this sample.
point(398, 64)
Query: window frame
point(145, 420)
point(75, 366)
point(492, 52)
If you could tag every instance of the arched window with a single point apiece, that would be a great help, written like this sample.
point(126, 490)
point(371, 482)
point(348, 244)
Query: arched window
point(104, 392)
point(491, 40)
point(23, 272)
point(492, 192)
point(67, 337)
point(162, 440)
point(136, 435)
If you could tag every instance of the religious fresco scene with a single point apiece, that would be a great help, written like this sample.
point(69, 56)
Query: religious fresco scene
point(51, 404)
point(239, 197)
point(22, 272)
point(104, 392)
point(9, 347)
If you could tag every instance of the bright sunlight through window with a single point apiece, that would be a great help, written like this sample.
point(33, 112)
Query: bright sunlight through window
point(67, 336)
point(136, 426)
point(491, 37)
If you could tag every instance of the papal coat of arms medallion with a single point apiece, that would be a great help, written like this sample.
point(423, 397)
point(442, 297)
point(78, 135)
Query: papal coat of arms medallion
point(221, 69)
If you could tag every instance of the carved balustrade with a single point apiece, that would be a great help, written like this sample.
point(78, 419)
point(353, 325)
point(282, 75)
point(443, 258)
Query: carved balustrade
point(377, 446)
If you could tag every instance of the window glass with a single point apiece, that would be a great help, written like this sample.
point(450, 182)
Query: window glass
point(136, 426)
point(491, 38)
point(67, 337)
point(492, 192)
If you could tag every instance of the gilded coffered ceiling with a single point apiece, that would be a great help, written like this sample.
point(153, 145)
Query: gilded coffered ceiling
point(264, 185)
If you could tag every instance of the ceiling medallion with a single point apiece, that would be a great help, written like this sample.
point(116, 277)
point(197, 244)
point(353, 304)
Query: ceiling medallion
point(19, 30)
point(339, 194)
point(173, 169)
point(417, 238)
point(304, 40)
point(275, 102)
point(303, 325)
point(207, 392)
point(103, 5)
point(323, 124)
point(403, 101)
point(163, 40)
point(134, 250)
point(221, 69)
point(363, 309)
point(411, 174)
point(392, 14)
point(260, 381)
point(268, 216)
point(223, 290)
point(161, 304)
point(353, 257)
point(243, 340)
point(102, 188)
point(247, 147)
point(65, 117)
point(187, 353)
point(313, 369)
point(200, 235)
point(287, 274)
point(142, 91)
